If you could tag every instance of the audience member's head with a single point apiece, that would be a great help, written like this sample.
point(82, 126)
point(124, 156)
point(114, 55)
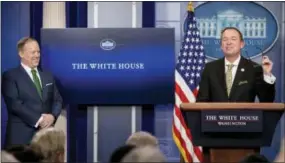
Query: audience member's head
point(121, 152)
point(145, 154)
point(281, 155)
point(254, 158)
point(142, 138)
point(50, 143)
point(24, 153)
point(7, 157)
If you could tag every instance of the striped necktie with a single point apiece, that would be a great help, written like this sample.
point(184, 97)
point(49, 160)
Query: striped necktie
point(229, 78)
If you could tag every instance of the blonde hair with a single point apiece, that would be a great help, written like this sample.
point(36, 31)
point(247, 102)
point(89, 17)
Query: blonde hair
point(49, 142)
point(142, 138)
point(7, 157)
point(145, 154)
point(281, 155)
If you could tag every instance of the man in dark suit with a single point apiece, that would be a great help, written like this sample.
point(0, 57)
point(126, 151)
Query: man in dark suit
point(234, 78)
point(32, 99)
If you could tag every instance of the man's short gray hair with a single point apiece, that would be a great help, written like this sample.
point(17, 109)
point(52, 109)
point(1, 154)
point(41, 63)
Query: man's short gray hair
point(145, 154)
point(142, 138)
point(7, 157)
point(48, 142)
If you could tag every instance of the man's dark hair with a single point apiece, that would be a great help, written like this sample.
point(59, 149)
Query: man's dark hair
point(120, 153)
point(233, 28)
point(24, 153)
point(254, 158)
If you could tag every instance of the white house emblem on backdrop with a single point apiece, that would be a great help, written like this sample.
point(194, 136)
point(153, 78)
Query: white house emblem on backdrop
point(107, 44)
point(257, 24)
point(249, 27)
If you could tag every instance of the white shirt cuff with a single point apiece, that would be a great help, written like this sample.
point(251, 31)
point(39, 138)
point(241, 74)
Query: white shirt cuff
point(39, 121)
point(270, 79)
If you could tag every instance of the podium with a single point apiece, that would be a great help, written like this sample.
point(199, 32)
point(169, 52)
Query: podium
point(230, 131)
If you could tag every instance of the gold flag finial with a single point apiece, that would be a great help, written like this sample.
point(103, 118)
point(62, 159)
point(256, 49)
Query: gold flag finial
point(190, 7)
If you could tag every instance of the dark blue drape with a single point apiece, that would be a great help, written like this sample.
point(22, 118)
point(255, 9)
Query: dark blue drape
point(148, 21)
point(148, 12)
point(36, 19)
point(76, 17)
point(76, 14)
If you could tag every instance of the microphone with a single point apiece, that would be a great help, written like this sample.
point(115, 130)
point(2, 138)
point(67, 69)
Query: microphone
point(262, 54)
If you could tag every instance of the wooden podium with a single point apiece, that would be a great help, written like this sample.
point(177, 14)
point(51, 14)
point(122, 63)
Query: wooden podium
point(231, 143)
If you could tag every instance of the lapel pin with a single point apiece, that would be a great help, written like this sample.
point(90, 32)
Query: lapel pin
point(242, 70)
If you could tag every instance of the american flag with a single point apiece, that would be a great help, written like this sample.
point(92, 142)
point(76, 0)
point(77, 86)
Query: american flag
point(190, 64)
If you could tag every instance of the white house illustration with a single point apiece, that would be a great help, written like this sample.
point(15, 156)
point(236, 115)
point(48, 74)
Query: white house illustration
point(251, 27)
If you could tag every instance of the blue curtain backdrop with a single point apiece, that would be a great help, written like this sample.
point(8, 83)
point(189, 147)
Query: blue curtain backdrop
point(76, 17)
point(148, 21)
point(36, 17)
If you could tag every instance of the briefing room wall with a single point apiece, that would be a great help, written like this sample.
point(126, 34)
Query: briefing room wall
point(167, 15)
point(117, 14)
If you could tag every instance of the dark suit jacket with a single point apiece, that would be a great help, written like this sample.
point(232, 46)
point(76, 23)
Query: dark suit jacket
point(246, 86)
point(24, 104)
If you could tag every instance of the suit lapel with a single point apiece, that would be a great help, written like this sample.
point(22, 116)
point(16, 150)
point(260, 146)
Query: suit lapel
point(221, 77)
point(238, 77)
point(29, 82)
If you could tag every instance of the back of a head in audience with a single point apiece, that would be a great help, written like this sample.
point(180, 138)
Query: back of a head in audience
point(120, 152)
point(281, 155)
point(142, 138)
point(7, 157)
point(24, 153)
point(254, 158)
point(145, 154)
point(50, 143)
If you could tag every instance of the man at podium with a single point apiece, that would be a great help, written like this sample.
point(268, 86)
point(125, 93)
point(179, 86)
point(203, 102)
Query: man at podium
point(235, 78)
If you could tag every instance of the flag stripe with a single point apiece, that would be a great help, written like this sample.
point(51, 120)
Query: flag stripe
point(183, 86)
point(195, 92)
point(189, 146)
point(177, 113)
point(181, 145)
point(181, 94)
point(197, 150)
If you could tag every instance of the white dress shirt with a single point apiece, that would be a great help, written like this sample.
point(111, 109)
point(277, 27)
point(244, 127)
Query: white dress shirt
point(29, 71)
point(270, 79)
